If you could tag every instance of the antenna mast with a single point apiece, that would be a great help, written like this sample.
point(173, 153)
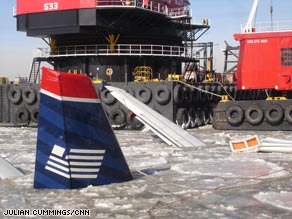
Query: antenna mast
point(271, 13)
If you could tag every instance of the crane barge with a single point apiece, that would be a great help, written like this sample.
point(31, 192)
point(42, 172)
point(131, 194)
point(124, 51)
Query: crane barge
point(263, 81)
point(142, 46)
point(149, 48)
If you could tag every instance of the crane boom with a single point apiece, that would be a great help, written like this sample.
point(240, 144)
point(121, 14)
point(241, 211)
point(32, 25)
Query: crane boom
point(248, 26)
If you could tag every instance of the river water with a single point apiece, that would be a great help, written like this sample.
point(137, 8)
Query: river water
point(169, 182)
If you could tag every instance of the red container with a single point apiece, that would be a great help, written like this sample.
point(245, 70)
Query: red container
point(265, 60)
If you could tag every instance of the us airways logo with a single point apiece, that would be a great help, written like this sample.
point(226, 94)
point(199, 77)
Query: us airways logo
point(79, 163)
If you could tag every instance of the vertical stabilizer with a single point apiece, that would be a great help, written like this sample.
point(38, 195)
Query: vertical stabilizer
point(76, 146)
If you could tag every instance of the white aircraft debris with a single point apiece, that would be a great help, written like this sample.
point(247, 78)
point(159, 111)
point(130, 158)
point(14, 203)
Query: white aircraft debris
point(164, 128)
point(254, 144)
point(7, 170)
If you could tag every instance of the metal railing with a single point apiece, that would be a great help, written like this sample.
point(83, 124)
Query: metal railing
point(274, 26)
point(118, 50)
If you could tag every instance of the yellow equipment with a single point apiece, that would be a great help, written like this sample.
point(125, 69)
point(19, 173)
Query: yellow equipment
point(174, 77)
point(4, 80)
point(143, 74)
point(112, 40)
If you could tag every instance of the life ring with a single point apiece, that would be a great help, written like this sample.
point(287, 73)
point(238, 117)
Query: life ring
point(182, 118)
point(288, 114)
point(109, 72)
point(162, 94)
point(21, 116)
point(178, 94)
point(274, 114)
point(117, 117)
point(144, 94)
point(14, 95)
point(133, 122)
point(107, 98)
point(254, 115)
point(29, 95)
point(34, 115)
point(234, 115)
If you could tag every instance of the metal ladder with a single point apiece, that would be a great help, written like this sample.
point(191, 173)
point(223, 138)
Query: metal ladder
point(34, 71)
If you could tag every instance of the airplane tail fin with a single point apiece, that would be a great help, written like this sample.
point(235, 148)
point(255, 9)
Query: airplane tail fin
point(76, 146)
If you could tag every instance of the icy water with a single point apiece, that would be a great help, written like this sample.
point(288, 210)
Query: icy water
point(198, 182)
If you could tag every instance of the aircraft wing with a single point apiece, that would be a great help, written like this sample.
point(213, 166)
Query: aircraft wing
point(164, 128)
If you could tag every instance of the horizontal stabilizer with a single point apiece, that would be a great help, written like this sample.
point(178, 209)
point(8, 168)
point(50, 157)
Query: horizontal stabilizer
point(7, 170)
point(76, 146)
point(164, 128)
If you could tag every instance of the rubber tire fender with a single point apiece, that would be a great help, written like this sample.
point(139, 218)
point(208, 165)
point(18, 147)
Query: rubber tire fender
point(162, 94)
point(208, 95)
point(144, 94)
point(34, 115)
point(134, 123)
point(288, 114)
point(202, 117)
point(195, 95)
point(237, 111)
point(130, 91)
point(270, 117)
point(203, 95)
point(14, 95)
point(193, 115)
point(213, 91)
point(117, 117)
point(29, 95)
point(21, 116)
point(107, 98)
point(182, 118)
point(248, 115)
point(178, 94)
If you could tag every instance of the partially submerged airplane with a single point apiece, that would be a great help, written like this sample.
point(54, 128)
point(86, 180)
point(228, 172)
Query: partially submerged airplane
point(76, 146)
point(164, 128)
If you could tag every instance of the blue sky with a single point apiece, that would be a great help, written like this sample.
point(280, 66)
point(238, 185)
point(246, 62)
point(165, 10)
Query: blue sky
point(226, 18)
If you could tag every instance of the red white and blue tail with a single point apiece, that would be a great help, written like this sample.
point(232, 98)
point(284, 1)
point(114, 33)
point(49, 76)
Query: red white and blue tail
point(76, 146)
